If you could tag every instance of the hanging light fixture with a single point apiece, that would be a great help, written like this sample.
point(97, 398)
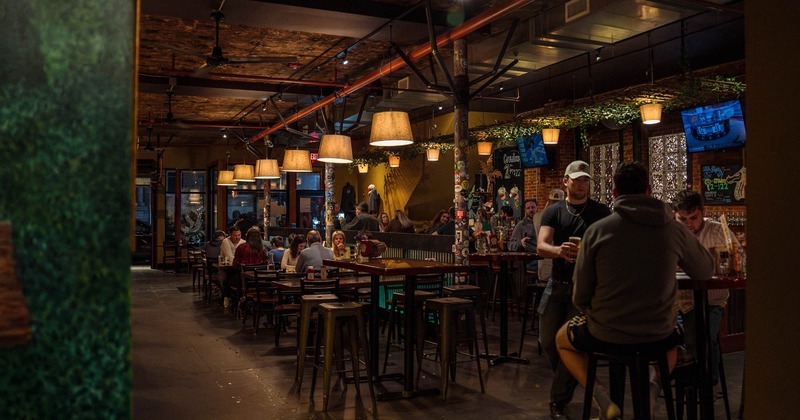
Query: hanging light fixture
point(484, 148)
point(335, 148)
point(243, 173)
point(394, 161)
point(194, 196)
point(296, 160)
point(225, 177)
point(390, 128)
point(267, 169)
point(550, 135)
point(651, 113)
point(363, 168)
point(432, 155)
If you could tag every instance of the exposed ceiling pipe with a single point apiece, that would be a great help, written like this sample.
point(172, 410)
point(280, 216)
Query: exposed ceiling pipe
point(468, 27)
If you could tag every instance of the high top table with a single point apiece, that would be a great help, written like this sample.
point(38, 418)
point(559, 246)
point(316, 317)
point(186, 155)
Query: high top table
point(504, 259)
point(702, 336)
point(409, 268)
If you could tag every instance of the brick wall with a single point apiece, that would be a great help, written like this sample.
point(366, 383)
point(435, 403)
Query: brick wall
point(539, 181)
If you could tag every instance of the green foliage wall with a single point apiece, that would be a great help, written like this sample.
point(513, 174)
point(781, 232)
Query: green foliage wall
point(66, 108)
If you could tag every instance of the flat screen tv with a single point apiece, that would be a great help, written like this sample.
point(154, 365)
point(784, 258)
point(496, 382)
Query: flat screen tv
point(531, 151)
point(713, 127)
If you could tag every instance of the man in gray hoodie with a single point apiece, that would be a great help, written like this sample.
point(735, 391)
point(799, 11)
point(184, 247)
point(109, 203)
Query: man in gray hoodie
point(625, 281)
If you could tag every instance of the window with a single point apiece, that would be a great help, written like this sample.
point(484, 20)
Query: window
point(308, 181)
point(603, 161)
point(667, 165)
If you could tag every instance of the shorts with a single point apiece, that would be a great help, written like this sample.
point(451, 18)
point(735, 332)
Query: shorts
point(582, 340)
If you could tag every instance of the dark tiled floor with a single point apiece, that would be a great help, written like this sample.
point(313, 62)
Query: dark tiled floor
point(191, 361)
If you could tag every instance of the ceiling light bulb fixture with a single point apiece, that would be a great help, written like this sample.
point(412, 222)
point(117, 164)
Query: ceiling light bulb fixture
point(440, 107)
point(363, 168)
point(335, 148)
point(432, 155)
point(345, 61)
point(550, 135)
point(394, 161)
point(501, 86)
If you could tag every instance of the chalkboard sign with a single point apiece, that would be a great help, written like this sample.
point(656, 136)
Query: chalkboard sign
point(509, 187)
point(723, 183)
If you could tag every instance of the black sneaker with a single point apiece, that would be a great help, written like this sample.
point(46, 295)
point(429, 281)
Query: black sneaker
point(558, 410)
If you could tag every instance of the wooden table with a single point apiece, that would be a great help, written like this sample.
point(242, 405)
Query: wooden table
point(504, 259)
point(700, 288)
point(378, 267)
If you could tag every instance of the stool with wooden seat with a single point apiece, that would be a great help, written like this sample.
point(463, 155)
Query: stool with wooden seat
point(473, 293)
point(335, 316)
point(449, 310)
point(637, 358)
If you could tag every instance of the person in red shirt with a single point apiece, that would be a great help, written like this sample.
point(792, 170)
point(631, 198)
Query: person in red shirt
point(252, 251)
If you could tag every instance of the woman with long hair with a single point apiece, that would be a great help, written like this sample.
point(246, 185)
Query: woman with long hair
point(400, 223)
point(441, 218)
point(290, 258)
point(383, 222)
point(252, 251)
point(340, 250)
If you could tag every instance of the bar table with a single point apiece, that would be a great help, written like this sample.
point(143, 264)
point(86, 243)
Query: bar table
point(409, 268)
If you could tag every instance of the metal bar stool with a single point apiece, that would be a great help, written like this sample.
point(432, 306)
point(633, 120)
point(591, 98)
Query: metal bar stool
point(449, 310)
point(533, 294)
point(335, 316)
point(308, 304)
point(473, 293)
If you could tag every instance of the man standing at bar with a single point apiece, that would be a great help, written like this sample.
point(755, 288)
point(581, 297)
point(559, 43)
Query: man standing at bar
point(560, 221)
point(689, 210)
point(625, 281)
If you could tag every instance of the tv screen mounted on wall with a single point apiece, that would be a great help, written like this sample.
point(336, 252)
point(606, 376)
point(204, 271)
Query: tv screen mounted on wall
point(714, 127)
point(531, 151)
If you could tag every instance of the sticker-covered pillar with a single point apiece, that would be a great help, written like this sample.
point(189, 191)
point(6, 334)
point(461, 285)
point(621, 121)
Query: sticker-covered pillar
point(460, 137)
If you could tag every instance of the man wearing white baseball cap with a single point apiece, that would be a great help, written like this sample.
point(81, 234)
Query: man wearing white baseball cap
point(561, 221)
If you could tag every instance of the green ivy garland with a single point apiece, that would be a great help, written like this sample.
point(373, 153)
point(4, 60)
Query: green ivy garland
point(572, 117)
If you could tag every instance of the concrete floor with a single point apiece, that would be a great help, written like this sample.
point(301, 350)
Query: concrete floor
point(192, 361)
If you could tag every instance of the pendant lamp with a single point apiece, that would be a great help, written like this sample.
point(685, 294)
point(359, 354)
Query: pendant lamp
point(484, 148)
point(243, 173)
point(194, 196)
point(267, 169)
point(335, 148)
point(394, 161)
point(432, 155)
point(390, 128)
point(225, 179)
point(550, 135)
point(651, 113)
point(295, 160)
point(363, 168)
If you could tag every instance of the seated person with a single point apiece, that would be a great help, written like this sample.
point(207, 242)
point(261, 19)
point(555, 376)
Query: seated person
point(363, 220)
point(314, 254)
point(252, 251)
point(400, 223)
point(296, 245)
point(340, 250)
point(276, 253)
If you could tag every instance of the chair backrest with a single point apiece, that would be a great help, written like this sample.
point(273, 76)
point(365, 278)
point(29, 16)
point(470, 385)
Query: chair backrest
point(262, 284)
point(319, 286)
point(431, 283)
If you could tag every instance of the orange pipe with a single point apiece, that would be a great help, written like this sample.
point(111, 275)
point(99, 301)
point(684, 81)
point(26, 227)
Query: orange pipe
point(468, 27)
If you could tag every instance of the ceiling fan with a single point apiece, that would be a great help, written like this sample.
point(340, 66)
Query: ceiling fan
point(217, 58)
